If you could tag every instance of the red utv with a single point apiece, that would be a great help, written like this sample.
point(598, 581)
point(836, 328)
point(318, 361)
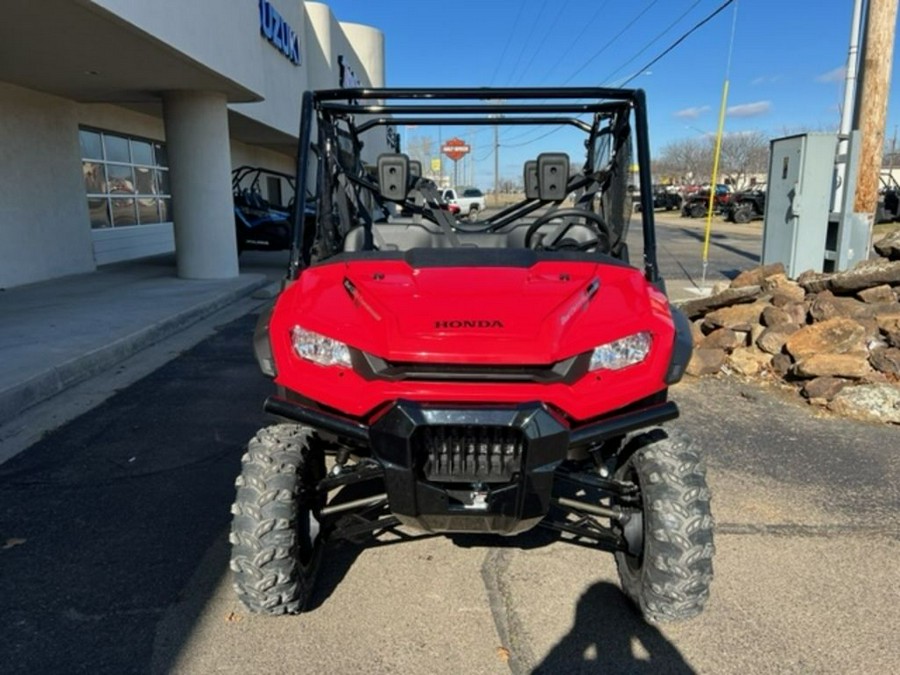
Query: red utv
point(696, 205)
point(491, 376)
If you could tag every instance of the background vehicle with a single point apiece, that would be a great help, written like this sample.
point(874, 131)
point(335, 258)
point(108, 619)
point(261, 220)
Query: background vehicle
point(663, 198)
point(888, 208)
point(485, 377)
point(467, 201)
point(263, 222)
point(696, 204)
point(745, 206)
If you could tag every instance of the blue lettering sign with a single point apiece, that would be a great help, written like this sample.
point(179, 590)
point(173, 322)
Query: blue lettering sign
point(278, 32)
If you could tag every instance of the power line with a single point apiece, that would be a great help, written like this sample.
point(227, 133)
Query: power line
point(679, 41)
point(573, 43)
point(537, 21)
point(610, 42)
point(533, 140)
point(596, 54)
point(540, 47)
point(508, 41)
point(654, 40)
point(647, 66)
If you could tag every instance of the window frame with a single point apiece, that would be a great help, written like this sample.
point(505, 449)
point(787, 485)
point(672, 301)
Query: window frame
point(159, 178)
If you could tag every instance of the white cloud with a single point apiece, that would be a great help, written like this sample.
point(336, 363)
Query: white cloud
point(692, 113)
point(765, 79)
point(835, 75)
point(750, 109)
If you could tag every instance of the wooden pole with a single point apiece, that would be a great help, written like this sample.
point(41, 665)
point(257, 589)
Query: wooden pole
point(872, 111)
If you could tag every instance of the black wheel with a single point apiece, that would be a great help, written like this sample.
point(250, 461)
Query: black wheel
point(668, 575)
point(276, 535)
point(742, 215)
point(698, 210)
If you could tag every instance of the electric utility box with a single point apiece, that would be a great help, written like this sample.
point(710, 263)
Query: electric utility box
point(798, 201)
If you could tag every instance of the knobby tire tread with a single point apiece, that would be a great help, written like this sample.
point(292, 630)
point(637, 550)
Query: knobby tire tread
point(672, 580)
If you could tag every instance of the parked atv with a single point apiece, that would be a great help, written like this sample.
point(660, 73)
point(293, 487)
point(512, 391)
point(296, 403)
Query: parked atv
point(447, 376)
point(663, 198)
point(696, 205)
point(888, 207)
point(263, 222)
point(745, 206)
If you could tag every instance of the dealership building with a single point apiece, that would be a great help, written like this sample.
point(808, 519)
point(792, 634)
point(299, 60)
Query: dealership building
point(121, 120)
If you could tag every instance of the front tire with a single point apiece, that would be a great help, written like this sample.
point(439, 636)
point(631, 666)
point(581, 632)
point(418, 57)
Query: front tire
point(742, 215)
point(669, 578)
point(276, 535)
point(698, 210)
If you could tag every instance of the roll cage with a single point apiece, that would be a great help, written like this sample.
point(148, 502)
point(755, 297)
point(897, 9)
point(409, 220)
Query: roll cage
point(348, 196)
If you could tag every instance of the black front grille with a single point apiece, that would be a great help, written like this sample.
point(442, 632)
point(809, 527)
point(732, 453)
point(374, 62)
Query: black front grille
point(469, 454)
point(371, 367)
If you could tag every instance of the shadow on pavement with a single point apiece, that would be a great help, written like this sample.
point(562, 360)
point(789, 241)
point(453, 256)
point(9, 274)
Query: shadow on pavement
point(105, 521)
point(699, 236)
point(609, 636)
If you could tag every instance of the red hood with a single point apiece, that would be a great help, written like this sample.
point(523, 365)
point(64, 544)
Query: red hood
point(489, 315)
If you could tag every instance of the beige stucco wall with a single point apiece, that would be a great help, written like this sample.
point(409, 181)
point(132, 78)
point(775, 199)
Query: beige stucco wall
point(122, 120)
point(237, 50)
point(367, 44)
point(44, 228)
point(252, 155)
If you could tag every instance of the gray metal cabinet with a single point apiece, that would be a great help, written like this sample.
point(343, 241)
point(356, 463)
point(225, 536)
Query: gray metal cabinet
point(801, 173)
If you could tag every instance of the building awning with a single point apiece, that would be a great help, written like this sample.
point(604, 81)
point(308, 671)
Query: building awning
point(82, 52)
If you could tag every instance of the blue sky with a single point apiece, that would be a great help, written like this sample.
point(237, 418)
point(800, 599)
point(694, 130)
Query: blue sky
point(786, 69)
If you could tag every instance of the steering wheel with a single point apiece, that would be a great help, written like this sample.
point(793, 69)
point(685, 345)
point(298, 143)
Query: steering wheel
point(591, 219)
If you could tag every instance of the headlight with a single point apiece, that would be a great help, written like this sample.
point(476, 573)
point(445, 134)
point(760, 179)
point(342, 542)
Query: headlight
point(319, 349)
point(621, 353)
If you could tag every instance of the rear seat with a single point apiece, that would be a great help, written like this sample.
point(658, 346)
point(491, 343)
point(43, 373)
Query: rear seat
point(403, 234)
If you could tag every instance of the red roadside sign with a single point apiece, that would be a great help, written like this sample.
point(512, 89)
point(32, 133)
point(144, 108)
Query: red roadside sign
point(455, 149)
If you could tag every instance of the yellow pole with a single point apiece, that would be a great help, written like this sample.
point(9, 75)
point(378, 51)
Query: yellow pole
point(719, 132)
point(715, 176)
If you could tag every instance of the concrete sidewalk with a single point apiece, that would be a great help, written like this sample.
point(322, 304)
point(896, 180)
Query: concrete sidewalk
point(56, 334)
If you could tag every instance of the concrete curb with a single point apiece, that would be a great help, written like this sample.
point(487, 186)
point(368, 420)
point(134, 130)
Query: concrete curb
point(56, 379)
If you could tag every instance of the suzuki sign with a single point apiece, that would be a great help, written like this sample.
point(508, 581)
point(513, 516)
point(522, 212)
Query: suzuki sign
point(277, 31)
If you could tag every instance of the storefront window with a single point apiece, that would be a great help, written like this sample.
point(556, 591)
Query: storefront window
point(141, 152)
point(91, 145)
point(126, 179)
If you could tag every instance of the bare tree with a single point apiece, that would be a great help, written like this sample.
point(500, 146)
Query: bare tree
point(691, 160)
point(742, 155)
point(420, 148)
point(685, 161)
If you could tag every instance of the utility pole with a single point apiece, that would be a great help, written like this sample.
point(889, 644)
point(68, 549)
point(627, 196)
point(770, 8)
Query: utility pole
point(497, 163)
point(875, 75)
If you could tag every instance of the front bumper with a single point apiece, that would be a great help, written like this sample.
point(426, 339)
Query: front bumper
point(471, 469)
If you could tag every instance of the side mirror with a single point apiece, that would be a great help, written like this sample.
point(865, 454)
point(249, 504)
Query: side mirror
point(531, 179)
point(553, 176)
point(393, 176)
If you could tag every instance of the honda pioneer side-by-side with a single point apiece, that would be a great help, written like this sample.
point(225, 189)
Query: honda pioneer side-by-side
point(445, 375)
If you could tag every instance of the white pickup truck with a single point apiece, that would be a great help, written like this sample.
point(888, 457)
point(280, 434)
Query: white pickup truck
point(465, 201)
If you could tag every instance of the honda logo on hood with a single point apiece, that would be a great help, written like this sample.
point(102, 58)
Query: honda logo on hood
point(469, 323)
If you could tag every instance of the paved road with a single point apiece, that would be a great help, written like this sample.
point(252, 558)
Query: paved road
point(680, 241)
point(113, 553)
